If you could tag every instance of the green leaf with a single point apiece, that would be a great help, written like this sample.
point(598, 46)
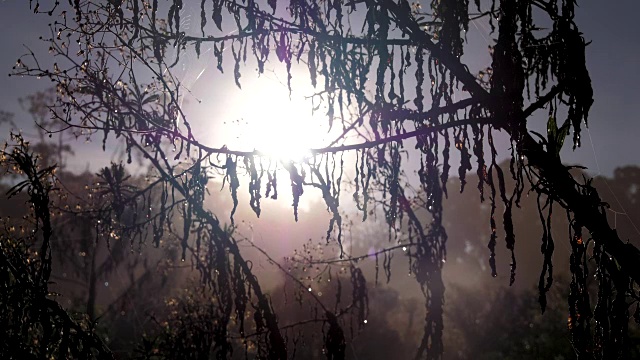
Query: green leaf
point(563, 132)
point(151, 98)
point(552, 131)
point(552, 128)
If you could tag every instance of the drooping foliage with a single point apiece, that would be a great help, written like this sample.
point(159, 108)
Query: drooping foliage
point(387, 71)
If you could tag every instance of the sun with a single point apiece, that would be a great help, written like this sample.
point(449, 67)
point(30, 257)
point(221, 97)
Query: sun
point(280, 126)
point(263, 116)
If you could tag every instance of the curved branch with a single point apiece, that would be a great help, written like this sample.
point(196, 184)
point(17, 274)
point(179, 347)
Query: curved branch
point(425, 130)
point(278, 342)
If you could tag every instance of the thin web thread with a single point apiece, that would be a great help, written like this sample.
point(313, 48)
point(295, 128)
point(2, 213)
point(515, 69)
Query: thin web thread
point(616, 213)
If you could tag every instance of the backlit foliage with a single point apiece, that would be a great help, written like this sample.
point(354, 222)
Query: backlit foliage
point(390, 72)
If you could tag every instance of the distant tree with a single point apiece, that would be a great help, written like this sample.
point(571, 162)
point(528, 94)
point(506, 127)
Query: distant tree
point(114, 65)
point(86, 260)
point(507, 326)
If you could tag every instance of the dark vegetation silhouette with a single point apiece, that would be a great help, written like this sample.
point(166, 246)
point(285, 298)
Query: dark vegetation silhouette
point(391, 76)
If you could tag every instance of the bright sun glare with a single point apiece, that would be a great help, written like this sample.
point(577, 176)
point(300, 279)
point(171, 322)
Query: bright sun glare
point(281, 128)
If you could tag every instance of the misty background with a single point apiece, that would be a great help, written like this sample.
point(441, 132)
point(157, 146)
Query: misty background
point(484, 315)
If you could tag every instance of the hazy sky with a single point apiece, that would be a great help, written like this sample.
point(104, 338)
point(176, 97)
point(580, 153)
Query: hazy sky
point(613, 60)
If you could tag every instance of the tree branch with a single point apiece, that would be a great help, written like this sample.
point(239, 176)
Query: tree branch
point(585, 208)
point(542, 101)
point(425, 130)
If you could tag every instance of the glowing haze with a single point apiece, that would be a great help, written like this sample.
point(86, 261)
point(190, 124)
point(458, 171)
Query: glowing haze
point(281, 127)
